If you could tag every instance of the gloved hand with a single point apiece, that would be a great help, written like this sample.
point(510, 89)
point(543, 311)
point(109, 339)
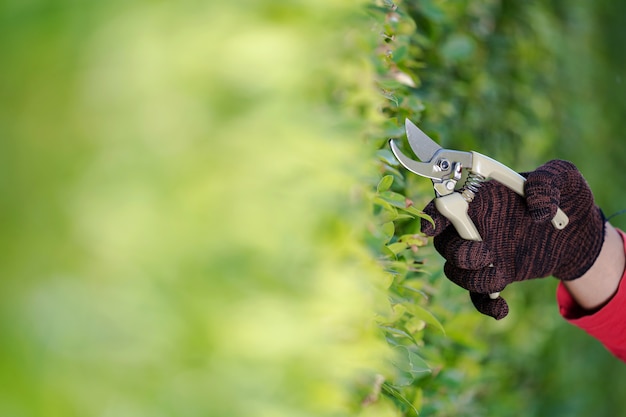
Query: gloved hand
point(519, 242)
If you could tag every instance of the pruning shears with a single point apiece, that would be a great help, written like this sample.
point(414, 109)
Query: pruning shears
point(445, 168)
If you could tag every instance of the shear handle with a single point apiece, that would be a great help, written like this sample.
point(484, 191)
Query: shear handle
point(454, 208)
point(490, 168)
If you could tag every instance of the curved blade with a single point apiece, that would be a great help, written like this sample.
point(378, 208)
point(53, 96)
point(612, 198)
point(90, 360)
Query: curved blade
point(423, 146)
point(420, 168)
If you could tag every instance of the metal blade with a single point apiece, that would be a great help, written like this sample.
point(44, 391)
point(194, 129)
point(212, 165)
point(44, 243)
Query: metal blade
point(423, 169)
point(423, 146)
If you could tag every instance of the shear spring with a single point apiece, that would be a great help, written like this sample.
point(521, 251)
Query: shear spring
point(472, 184)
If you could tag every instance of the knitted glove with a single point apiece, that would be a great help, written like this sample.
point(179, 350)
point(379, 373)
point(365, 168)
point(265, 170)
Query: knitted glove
point(519, 241)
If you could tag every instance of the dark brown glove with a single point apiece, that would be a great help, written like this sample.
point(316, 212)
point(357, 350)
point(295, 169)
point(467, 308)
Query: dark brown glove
point(518, 237)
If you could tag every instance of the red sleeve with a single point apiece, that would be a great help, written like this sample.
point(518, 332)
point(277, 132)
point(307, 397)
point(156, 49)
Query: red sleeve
point(608, 324)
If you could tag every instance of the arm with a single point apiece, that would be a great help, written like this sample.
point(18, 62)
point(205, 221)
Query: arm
point(598, 285)
point(596, 302)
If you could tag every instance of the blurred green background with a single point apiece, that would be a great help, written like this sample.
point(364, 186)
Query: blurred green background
point(178, 236)
point(183, 200)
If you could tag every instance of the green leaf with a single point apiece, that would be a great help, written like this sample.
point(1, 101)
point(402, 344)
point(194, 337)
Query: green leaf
point(389, 84)
point(397, 247)
point(400, 53)
point(389, 254)
point(389, 213)
point(384, 204)
point(397, 332)
point(388, 229)
point(415, 325)
point(385, 183)
point(419, 214)
point(410, 366)
point(396, 394)
point(413, 239)
point(398, 311)
point(423, 314)
point(386, 156)
point(404, 217)
point(417, 364)
point(393, 198)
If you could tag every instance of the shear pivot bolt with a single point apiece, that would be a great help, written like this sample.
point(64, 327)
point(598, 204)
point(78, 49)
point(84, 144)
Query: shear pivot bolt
point(443, 164)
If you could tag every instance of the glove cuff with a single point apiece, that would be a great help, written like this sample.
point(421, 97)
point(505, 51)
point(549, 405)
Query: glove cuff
point(583, 249)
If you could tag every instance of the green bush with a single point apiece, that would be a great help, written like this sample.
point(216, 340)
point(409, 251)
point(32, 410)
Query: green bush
point(515, 80)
